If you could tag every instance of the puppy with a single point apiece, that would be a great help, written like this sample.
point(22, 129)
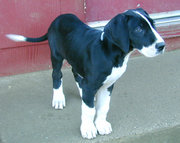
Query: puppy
point(98, 59)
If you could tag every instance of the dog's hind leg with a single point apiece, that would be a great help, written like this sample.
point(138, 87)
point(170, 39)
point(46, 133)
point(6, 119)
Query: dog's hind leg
point(78, 80)
point(58, 101)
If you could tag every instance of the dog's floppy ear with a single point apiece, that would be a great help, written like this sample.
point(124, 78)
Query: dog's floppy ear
point(117, 32)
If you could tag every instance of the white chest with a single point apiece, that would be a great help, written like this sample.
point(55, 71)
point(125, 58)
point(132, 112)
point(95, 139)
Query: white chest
point(116, 73)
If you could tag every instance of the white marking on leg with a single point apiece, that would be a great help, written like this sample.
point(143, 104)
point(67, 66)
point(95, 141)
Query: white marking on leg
point(102, 108)
point(17, 38)
point(58, 101)
point(80, 89)
point(88, 129)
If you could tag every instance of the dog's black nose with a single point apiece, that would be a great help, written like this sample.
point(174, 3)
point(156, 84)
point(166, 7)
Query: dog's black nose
point(160, 46)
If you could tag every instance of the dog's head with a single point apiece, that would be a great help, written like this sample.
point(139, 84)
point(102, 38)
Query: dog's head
point(134, 28)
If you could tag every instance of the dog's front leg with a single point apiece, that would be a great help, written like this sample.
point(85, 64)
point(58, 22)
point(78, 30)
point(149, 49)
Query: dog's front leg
point(102, 107)
point(88, 129)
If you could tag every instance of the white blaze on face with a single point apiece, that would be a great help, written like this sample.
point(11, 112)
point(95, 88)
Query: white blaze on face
point(150, 51)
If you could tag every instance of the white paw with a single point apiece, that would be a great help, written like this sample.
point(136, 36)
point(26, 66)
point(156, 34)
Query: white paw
point(58, 101)
point(103, 127)
point(88, 130)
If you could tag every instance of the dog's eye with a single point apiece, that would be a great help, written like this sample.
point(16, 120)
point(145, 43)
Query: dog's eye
point(138, 29)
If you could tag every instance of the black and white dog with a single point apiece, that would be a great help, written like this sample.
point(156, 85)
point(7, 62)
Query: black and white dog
point(98, 59)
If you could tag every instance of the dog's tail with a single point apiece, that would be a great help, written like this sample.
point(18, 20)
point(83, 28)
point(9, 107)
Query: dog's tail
point(20, 38)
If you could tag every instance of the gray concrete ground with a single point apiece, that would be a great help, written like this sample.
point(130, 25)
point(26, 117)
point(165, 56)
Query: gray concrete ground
point(145, 105)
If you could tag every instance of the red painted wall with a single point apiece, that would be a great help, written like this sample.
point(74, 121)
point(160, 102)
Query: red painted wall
point(30, 18)
point(97, 10)
point(33, 17)
point(105, 9)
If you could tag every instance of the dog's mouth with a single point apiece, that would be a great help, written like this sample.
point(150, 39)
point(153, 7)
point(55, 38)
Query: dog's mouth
point(152, 51)
point(160, 52)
